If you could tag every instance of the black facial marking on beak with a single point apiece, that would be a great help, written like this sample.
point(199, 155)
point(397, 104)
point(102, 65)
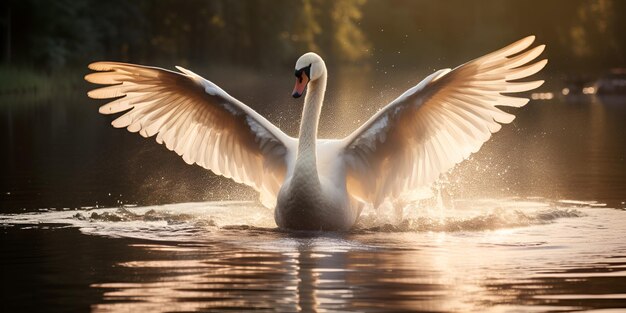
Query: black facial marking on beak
point(305, 70)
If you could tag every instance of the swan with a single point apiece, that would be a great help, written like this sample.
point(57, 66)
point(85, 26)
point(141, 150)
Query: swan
point(322, 184)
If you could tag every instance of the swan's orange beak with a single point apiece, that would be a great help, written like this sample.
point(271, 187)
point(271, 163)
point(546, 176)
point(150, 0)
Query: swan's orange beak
point(301, 82)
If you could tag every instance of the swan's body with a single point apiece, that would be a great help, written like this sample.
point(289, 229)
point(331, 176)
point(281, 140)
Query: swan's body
point(314, 195)
point(323, 184)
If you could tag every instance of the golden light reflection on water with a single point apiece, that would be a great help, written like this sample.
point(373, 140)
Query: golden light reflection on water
point(218, 283)
point(535, 256)
point(489, 271)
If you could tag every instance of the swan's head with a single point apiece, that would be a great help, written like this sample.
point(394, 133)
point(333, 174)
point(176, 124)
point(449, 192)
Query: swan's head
point(309, 67)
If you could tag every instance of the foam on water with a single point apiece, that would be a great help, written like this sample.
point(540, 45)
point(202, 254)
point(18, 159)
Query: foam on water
point(195, 221)
point(471, 215)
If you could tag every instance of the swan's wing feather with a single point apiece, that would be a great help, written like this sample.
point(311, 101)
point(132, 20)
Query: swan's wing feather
point(438, 123)
point(198, 120)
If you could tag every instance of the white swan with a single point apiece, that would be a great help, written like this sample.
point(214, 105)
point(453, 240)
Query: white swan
point(322, 184)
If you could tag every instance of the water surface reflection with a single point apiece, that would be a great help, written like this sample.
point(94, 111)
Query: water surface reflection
point(571, 263)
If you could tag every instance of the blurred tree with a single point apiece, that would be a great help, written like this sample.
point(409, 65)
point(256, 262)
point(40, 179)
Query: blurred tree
point(593, 34)
point(346, 42)
point(306, 27)
point(55, 34)
point(420, 34)
point(7, 24)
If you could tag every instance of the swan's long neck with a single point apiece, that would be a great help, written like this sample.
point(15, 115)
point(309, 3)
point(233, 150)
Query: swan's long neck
point(306, 160)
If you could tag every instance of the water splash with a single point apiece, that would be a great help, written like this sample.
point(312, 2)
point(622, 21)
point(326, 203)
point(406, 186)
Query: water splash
point(487, 220)
point(197, 221)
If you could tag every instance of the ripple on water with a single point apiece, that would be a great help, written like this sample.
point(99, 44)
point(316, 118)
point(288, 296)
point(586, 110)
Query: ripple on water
point(186, 221)
point(486, 255)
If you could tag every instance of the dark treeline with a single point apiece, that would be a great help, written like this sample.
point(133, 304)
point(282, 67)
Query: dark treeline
point(54, 34)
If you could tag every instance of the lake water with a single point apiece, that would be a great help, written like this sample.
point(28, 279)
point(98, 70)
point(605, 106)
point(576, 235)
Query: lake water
point(97, 219)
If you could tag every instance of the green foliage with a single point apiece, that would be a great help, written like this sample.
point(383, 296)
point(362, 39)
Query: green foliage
point(49, 35)
point(350, 42)
point(20, 81)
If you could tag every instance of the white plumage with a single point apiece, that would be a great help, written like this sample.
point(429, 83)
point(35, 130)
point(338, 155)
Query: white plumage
point(323, 184)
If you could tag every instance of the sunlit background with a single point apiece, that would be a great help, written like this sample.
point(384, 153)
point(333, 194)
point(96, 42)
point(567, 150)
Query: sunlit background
point(539, 209)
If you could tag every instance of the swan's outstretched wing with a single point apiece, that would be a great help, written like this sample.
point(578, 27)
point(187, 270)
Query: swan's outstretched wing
point(198, 120)
point(438, 123)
